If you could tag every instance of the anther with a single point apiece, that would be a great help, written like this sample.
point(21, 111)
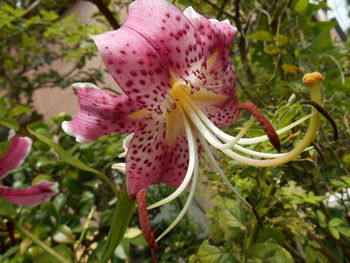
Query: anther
point(311, 78)
point(266, 124)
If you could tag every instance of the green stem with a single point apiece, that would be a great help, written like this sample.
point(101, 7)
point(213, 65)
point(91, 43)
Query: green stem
point(41, 244)
point(256, 225)
point(85, 229)
point(120, 221)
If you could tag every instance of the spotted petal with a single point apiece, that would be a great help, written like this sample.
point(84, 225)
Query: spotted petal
point(216, 38)
point(170, 33)
point(101, 113)
point(155, 156)
point(30, 196)
point(136, 66)
point(14, 156)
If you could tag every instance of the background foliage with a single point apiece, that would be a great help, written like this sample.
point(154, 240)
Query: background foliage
point(277, 42)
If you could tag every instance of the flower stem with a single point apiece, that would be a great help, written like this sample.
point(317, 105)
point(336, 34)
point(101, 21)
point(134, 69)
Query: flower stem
point(41, 244)
point(85, 228)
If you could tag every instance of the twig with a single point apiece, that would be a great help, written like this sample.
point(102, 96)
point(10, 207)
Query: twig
point(323, 248)
point(85, 228)
point(229, 15)
point(242, 43)
point(222, 9)
point(107, 13)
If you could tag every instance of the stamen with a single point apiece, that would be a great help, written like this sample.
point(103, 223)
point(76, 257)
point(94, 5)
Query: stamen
point(203, 129)
point(218, 169)
point(186, 206)
point(266, 124)
point(315, 91)
point(193, 159)
point(258, 154)
point(145, 223)
point(325, 114)
point(244, 130)
point(226, 137)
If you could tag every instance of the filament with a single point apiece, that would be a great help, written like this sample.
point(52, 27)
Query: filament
point(193, 159)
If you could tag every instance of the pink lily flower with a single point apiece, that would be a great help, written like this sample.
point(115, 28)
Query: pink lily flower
point(179, 83)
point(12, 158)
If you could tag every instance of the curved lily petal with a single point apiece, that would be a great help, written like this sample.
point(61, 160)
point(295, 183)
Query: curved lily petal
point(30, 196)
point(166, 28)
point(155, 156)
point(136, 66)
point(216, 38)
point(14, 156)
point(101, 113)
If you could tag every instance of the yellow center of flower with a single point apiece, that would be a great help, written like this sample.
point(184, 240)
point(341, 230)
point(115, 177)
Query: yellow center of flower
point(180, 94)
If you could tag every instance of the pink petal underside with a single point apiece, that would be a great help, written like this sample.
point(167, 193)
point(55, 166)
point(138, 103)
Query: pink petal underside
point(14, 156)
point(151, 161)
point(221, 77)
point(171, 34)
point(136, 66)
point(30, 196)
point(100, 114)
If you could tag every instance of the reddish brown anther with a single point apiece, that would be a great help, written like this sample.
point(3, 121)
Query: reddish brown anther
point(145, 223)
point(265, 123)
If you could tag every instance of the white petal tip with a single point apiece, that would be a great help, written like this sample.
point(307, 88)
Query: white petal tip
point(121, 167)
point(131, 4)
point(67, 129)
point(11, 134)
point(234, 29)
point(213, 20)
point(189, 12)
point(81, 85)
point(54, 188)
point(227, 22)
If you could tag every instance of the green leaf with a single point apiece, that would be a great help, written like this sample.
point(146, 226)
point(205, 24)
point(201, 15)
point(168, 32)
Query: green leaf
point(346, 159)
point(67, 157)
point(260, 35)
point(4, 147)
point(209, 254)
point(321, 218)
point(120, 221)
point(301, 6)
point(334, 232)
point(7, 208)
point(64, 251)
point(3, 108)
point(10, 123)
point(334, 222)
point(344, 230)
point(9, 253)
point(270, 252)
point(322, 42)
point(18, 110)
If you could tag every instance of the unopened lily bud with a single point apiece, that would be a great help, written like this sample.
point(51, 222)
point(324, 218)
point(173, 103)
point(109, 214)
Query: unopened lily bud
point(311, 78)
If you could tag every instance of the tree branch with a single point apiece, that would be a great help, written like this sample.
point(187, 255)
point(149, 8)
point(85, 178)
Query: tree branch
point(103, 8)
